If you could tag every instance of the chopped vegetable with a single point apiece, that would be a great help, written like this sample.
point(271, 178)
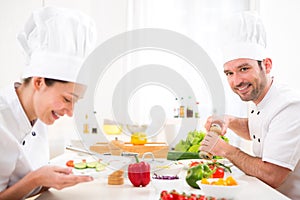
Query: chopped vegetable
point(229, 181)
point(165, 177)
point(97, 165)
point(200, 170)
point(80, 165)
point(70, 163)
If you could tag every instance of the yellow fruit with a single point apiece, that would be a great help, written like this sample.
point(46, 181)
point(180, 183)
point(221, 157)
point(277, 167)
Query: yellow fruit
point(230, 181)
point(205, 181)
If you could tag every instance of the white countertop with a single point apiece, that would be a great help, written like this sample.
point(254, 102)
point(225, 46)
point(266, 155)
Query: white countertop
point(99, 189)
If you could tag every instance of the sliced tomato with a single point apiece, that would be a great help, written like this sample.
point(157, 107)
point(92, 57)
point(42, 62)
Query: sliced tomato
point(194, 163)
point(70, 163)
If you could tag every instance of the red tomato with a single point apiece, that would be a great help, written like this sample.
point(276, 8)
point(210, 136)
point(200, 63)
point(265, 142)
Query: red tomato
point(168, 197)
point(182, 197)
point(70, 163)
point(175, 194)
point(202, 197)
point(163, 193)
point(219, 173)
point(194, 163)
point(192, 198)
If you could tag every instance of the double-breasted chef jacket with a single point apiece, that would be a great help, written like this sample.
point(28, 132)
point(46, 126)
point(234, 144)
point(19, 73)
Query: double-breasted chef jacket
point(23, 147)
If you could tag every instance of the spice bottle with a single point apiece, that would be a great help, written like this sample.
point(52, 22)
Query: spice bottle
point(181, 108)
point(214, 128)
point(189, 109)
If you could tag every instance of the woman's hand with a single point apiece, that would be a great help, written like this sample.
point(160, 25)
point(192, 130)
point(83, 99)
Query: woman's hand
point(46, 176)
point(57, 177)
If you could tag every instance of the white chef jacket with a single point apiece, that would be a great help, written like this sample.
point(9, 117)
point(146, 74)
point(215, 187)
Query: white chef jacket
point(23, 148)
point(274, 126)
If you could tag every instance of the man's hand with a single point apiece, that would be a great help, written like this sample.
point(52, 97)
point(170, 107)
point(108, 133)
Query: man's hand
point(212, 143)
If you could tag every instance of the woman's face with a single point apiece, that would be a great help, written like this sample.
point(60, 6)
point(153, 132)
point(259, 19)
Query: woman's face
point(247, 79)
point(52, 102)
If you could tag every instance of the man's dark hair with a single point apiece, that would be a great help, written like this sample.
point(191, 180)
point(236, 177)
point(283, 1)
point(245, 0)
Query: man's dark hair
point(259, 64)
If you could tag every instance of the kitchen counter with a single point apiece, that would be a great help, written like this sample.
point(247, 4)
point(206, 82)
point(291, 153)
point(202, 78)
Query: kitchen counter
point(99, 189)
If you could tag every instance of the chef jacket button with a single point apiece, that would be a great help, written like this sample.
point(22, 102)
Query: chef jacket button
point(23, 143)
point(258, 112)
point(253, 136)
point(252, 111)
point(33, 133)
point(258, 139)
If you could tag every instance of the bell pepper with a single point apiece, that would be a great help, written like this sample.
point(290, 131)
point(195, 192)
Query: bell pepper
point(139, 173)
point(197, 173)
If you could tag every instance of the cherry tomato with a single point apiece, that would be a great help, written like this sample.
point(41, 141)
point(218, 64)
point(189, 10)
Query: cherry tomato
point(175, 194)
point(192, 198)
point(70, 163)
point(219, 173)
point(194, 163)
point(202, 197)
point(183, 197)
point(168, 197)
point(163, 193)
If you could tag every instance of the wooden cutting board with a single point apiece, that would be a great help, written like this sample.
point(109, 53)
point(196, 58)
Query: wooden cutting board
point(116, 147)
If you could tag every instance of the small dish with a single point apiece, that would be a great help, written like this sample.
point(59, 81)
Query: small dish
point(221, 191)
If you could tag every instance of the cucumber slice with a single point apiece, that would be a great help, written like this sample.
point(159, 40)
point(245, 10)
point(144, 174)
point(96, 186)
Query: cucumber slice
point(100, 166)
point(92, 164)
point(81, 165)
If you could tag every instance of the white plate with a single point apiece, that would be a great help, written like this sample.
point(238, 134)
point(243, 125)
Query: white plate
point(113, 163)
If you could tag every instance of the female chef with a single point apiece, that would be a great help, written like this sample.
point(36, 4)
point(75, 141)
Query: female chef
point(55, 42)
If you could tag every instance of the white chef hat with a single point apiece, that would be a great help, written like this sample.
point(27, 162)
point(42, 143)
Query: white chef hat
point(55, 42)
point(243, 36)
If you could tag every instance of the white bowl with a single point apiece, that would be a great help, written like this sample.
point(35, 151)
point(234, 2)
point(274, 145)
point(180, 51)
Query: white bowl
point(168, 170)
point(220, 191)
point(168, 185)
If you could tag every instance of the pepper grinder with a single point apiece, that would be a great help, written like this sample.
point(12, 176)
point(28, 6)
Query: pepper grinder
point(213, 128)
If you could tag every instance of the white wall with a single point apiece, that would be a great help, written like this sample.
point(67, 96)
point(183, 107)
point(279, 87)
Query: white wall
point(12, 17)
point(110, 19)
point(281, 19)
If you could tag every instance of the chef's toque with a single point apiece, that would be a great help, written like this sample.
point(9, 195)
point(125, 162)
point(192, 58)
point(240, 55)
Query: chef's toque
point(55, 42)
point(243, 36)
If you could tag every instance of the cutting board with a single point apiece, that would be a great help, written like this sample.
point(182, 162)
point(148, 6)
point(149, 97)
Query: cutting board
point(115, 147)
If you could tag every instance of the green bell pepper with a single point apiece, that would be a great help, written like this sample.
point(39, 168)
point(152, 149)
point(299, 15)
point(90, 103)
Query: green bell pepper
point(197, 173)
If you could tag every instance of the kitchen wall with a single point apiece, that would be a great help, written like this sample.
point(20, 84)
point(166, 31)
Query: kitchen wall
point(110, 20)
point(283, 29)
point(280, 18)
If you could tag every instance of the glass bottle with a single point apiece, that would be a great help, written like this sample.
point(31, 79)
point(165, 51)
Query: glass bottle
point(181, 110)
point(189, 109)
